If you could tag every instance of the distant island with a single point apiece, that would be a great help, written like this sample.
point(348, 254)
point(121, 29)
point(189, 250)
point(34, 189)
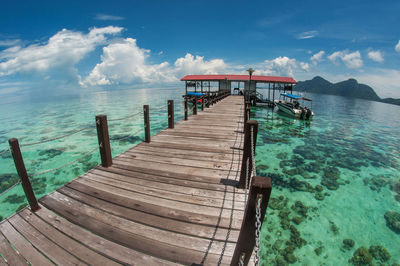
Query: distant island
point(347, 88)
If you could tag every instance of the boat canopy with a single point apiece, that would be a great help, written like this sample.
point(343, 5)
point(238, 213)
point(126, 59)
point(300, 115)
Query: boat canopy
point(292, 96)
point(195, 94)
point(297, 97)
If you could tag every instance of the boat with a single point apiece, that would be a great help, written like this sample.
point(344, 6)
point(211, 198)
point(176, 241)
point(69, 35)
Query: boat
point(291, 106)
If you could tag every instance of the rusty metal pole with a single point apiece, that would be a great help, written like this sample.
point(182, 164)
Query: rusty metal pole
point(20, 166)
point(194, 106)
point(186, 109)
point(260, 187)
point(247, 150)
point(146, 117)
point(104, 140)
point(170, 113)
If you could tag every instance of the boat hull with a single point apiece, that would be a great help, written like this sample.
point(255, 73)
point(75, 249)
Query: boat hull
point(288, 109)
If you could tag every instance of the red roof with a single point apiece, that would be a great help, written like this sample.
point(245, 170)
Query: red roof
point(239, 78)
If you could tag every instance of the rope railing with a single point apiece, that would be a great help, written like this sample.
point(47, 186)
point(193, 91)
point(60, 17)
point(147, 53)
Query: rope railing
point(4, 151)
point(252, 151)
point(65, 165)
point(128, 136)
point(258, 230)
point(126, 117)
point(8, 189)
point(58, 137)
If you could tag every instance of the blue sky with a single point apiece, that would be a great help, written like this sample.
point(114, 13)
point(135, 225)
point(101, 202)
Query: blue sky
point(80, 45)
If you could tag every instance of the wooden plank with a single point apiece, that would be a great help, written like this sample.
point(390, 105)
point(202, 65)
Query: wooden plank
point(167, 169)
point(216, 186)
point(56, 254)
point(164, 208)
point(160, 193)
point(75, 248)
point(190, 147)
point(10, 255)
point(101, 245)
point(199, 209)
point(24, 247)
point(148, 219)
point(189, 174)
point(130, 234)
point(239, 197)
point(235, 155)
point(138, 158)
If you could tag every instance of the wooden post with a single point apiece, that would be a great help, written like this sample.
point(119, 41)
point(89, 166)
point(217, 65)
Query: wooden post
point(20, 166)
point(186, 109)
point(104, 140)
point(260, 187)
point(208, 100)
point(247, 150)
point(246, 108)
point(202, 102)
point(170, 113)
point(146, 120)
point(194, 106)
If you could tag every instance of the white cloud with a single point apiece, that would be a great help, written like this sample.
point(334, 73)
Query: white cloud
point(196, 64)
point(61, 52)
point(106, 17)
point(318, 57)
point(125, 63)
point(351, 60)
point(397, 48)
point(376, 56)
point(281, 66)
point(307, 34)
point(9, 42)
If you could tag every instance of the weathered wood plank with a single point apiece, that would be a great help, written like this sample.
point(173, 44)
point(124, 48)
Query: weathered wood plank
point(239, 197)
point(56, 254)
point(24, 247)
point(75, 248)
point(119, 253)
point(11, 256)
point(216, 186)
point(150, 219)
point(130, 234)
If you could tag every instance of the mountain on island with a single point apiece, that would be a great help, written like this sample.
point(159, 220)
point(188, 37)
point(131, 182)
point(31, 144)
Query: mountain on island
point(347, 88)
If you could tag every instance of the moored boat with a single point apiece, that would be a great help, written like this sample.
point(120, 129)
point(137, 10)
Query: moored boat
point(291, 106)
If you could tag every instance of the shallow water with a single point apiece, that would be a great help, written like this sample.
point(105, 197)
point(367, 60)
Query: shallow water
point(333, 178)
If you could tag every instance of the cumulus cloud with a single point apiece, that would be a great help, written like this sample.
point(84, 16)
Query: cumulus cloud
point(62, 51)
point(397, 48)
point(318, 57)
point(124, 62)
point(307, 34)
point(282, 66)
point(376, 56)
point(351, 60)
point(106, 17)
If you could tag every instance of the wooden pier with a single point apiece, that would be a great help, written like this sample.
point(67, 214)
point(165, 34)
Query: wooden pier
point(171, 200)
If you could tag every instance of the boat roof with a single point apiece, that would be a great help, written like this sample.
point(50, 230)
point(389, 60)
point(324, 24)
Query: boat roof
point(285, 80)
point(294, 96)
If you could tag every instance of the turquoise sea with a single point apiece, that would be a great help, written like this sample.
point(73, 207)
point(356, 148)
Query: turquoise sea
point(336, 179)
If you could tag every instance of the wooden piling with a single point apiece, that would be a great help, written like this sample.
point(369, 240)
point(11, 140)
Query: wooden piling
point(208, 100)
point(186, 109)
point(247, 150)
point(202, 102)
point(104, 140)
point(260, 187)
point(20, 166)
point(146, 119)
point(170, 113)
point(194, 106)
